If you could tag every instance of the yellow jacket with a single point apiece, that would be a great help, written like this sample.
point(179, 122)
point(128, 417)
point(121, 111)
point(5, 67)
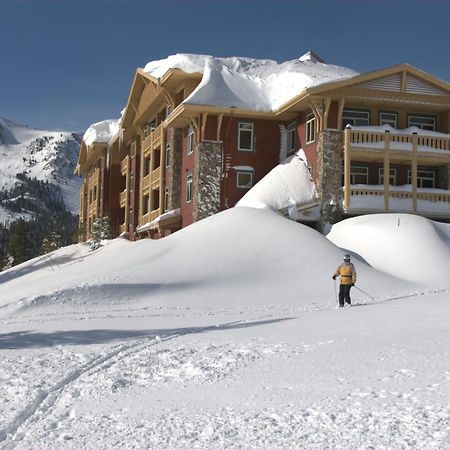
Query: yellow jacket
point(347, 273)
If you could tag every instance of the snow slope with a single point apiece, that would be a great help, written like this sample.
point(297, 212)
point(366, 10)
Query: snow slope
point(46, 155)
point(225, 335)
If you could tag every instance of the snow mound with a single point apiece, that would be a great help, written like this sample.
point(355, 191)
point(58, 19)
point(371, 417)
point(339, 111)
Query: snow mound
point(405, 246)
point(227, 269)
point(286, 185)
point(247, 83)
point(101, 132)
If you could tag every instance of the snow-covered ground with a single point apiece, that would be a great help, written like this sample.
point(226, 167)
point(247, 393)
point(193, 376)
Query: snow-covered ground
point(226, 335)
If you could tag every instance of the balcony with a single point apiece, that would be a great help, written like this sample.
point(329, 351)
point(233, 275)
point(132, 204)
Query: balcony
point(368, 142)
point(145, 184)
point(153, 139)
point(124, 165)
point(123, 199)
point(123, 228)
point(374, 198)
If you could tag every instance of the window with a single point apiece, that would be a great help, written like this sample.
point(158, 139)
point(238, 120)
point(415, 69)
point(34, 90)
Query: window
point(190, 141)
point(244, 179)
point(355, 118)
point(425, 178)
point(155, 199)
point(167, 156)
point(359, 175)
point(245, 136)
point(189, 188)
point(168, 110)
point(392, 176)
point(310, 128)
point(166, 199)
point(145, 204)
point(290, 138)
point(422, 122)
point(386, 118)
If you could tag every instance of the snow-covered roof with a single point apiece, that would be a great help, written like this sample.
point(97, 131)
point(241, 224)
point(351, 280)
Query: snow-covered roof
point(101, 132)
point(247, 83)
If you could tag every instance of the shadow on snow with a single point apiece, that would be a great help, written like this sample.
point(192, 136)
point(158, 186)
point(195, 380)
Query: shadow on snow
point(23, 340)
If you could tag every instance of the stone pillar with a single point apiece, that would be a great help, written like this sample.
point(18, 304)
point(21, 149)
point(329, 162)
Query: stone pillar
point(173, 181)
point(329, 179)
point(207, 179)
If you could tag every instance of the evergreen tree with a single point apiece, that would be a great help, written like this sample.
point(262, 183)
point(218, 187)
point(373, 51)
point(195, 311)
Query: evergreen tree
point(96, 234)
point(106, 228)
point(51, 243)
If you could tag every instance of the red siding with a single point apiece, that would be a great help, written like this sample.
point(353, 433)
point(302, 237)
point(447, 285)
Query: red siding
point(264, 157)
point(187, 166)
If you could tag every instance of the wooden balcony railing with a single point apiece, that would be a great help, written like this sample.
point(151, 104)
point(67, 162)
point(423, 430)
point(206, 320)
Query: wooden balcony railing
point(124, 165)
point(153, 139)
point(397, 141)
point(122, 228)
point(123, 199)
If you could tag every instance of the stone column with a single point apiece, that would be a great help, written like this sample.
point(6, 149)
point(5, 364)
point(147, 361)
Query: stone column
point(207, 179)
point(173, 181)
point(329, 180)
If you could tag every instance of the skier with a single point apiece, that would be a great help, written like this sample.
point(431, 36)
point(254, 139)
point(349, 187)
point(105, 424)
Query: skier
point(347, 273)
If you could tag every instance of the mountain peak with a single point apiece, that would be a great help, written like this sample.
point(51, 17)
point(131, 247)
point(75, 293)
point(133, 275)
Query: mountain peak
point(312, 57)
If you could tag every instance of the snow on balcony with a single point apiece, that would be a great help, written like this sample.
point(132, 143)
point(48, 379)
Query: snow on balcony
point(373, 138)
point(371, 198)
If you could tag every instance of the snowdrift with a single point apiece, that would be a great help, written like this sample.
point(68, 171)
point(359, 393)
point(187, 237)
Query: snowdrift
point(242, 256)
point(403, 245)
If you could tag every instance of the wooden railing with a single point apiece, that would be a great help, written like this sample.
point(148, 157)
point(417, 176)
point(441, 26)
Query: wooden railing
point(122, 228)
point(427, 196)
point(145, 182)
point(123, 198)
point(124, 165)
point(360, 138)
point(153, 138)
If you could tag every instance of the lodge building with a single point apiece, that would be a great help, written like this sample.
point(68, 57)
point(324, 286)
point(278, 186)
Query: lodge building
point(374, 142)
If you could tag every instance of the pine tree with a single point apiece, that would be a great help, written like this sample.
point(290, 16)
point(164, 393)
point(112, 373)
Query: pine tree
point(106, 232)
point(51, 242)
point(96, 235)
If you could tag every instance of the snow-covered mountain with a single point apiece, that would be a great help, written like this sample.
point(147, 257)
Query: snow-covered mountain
point(48, 156)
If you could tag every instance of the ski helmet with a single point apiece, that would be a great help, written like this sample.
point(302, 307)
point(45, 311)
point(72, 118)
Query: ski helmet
point(346, 257)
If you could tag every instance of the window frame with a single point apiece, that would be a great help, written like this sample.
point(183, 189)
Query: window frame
point(190, 141)
point(189, 187)
point(381, 176)
point(389, 122)
point(357, 111)
point(252, 136)
point(353, 174)
point(420, 179)
point(310, 128)
point(291, 137)
point(241, 172)
point(421, 116)
point(167, 155)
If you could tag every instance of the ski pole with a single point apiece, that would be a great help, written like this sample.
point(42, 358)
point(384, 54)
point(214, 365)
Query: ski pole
point(364, 292)
point(335, 291)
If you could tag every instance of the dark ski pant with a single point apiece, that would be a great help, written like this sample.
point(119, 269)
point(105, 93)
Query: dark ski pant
point(344, 294)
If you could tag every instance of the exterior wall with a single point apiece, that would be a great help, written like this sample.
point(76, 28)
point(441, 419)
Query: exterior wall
point(114, 189)
point(187, 167)
point(329, 176)
point(207, 179)
point(262, 159)
point(309, 149)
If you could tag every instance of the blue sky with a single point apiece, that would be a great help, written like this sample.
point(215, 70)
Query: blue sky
point(68, 63)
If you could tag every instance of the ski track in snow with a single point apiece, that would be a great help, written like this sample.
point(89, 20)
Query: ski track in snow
point(234, 425)
point(46, 399)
